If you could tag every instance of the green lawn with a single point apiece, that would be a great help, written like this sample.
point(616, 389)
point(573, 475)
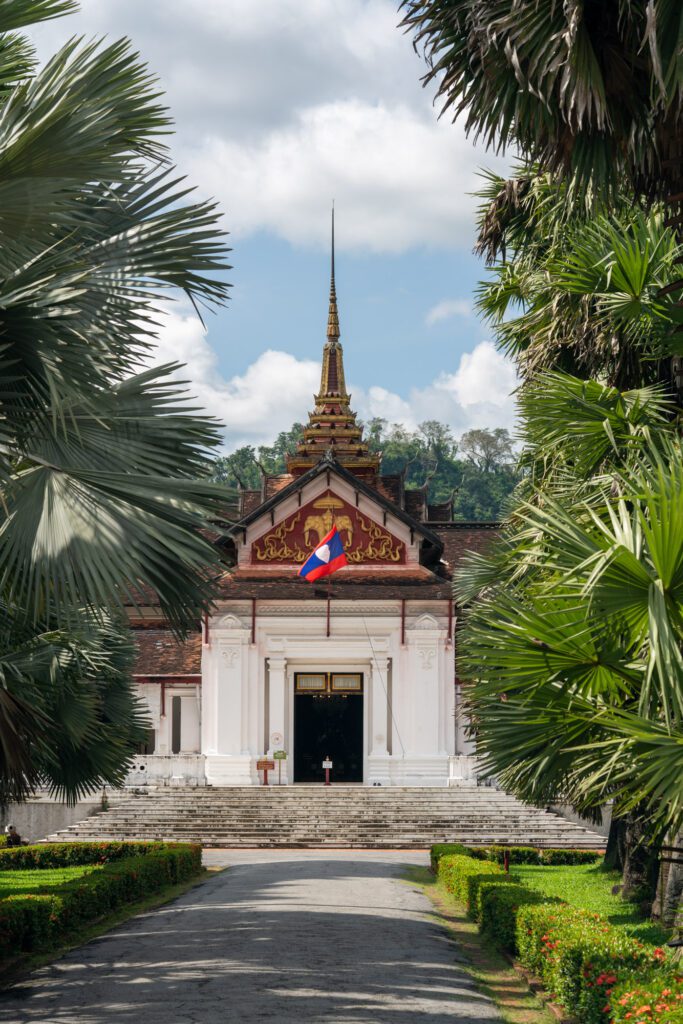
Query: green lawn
point(13, 882)
point(589, 886)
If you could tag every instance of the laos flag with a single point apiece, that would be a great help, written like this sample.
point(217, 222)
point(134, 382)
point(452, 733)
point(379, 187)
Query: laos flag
point(326, 559)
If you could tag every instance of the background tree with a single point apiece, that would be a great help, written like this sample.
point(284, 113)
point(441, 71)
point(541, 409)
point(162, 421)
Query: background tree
point(429, 456)
point(102, 462)
point(488, 450)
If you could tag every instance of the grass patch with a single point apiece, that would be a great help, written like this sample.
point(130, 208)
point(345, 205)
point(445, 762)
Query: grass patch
point(491, 971)
point(589, 887)
point(14, 882)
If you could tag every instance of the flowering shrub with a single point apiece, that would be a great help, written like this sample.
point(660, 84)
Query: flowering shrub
point(655, 999)
point(578, 956)
point(34, 921)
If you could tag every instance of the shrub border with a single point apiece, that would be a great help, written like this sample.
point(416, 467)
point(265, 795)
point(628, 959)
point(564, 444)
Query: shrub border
point(31, 922)
point(579, 957)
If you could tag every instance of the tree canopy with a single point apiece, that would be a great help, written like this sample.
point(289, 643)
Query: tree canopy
point(479, 471)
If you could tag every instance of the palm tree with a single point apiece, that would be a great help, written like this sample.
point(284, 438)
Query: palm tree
point(101, 459)
point(591, 92)
point(587, 295)
point(574, 631)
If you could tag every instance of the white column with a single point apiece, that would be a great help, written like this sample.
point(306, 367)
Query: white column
point(378, 707)
point(277, 710)
point(422, 713)
point(226, 703)
point(378, 758)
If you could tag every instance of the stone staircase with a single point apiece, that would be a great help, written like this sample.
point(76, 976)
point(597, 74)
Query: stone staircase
point(339, 816)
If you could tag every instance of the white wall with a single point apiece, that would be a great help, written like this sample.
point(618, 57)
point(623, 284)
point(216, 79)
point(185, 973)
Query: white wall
point(248, 688)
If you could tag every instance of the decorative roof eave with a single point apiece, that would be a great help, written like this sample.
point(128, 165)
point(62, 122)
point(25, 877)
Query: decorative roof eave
point(329, 463)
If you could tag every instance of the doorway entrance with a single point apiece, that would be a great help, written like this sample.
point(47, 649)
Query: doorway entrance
point(328, 723)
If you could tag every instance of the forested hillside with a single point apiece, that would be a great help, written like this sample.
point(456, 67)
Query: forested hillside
point(479, 468)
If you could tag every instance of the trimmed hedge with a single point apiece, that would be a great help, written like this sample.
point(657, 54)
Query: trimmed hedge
point(64, 855)
point(35, 921)
point(655, 999)
point(498, 908)
point(464, 877)
point(587, 965)
point(518, 854)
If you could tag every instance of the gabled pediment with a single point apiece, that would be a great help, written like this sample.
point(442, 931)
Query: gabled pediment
point(294, 537)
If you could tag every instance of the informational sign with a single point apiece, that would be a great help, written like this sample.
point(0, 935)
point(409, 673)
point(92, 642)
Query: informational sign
point(280, 755)
point(265, 765)
point(327, 764)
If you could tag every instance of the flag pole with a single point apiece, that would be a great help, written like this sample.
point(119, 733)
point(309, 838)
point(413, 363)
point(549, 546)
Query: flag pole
point(328, 604)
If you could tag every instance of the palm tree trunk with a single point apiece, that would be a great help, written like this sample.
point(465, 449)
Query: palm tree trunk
point(641, 859)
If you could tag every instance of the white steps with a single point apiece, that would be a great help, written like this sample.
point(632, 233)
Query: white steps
point(338, 816)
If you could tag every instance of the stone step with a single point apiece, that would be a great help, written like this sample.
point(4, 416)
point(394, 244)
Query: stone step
point(318, 817)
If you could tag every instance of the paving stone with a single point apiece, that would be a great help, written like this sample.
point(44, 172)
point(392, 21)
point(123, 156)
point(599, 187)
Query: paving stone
point(299, 936)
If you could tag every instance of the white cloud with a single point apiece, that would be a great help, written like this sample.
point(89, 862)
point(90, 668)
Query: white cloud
point(479, 393)
point(282, 105)
point(446, 309)
point(399, 179)
point(277, 389)
point(274, 392)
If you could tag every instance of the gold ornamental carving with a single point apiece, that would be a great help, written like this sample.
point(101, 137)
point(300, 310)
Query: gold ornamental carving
point(295, 538)
point(381, 546)
point(274, 547)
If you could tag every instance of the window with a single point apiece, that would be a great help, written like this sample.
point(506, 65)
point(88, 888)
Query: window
point(310, 683)
point(345, 682)
point(328, 682)
point(147, 746)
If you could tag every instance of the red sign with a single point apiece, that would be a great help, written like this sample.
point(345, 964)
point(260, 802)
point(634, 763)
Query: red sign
point(295, 537)
point(265, 766)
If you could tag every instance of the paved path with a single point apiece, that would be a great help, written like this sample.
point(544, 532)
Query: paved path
point(332, 937)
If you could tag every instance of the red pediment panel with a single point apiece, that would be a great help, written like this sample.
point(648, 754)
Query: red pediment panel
point(295, 538)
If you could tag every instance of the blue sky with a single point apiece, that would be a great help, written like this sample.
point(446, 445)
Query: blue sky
point(280, 106)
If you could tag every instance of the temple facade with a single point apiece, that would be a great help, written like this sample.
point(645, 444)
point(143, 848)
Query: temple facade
point(357, 670)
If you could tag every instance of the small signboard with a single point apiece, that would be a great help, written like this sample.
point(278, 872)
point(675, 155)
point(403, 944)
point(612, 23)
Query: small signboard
point(280, 755)
point(265, 765)
point(327, 764)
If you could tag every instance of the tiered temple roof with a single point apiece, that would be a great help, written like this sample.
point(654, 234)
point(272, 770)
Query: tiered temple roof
point(332, 425)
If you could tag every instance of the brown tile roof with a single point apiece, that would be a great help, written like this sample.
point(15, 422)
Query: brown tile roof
point(249, 500)
point(160, 654)
point(277, 483)
point(459, 538)
point(415, 504)
point(441, 513)
point(390, 485)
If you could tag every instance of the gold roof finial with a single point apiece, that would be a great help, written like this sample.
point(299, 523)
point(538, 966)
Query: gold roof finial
point(333, 315)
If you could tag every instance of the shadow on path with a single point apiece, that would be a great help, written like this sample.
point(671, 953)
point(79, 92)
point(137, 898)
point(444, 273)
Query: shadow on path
point(292, 938)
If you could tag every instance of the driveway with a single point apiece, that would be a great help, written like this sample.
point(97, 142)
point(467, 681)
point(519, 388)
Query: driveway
point(299, 936)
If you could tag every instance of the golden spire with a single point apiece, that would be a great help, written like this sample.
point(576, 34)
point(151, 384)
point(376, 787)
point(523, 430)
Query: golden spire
point(333, 315)
point(332, 383)
point(332, 429)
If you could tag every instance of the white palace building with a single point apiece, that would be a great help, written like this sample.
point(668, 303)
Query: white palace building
point(360, 670)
